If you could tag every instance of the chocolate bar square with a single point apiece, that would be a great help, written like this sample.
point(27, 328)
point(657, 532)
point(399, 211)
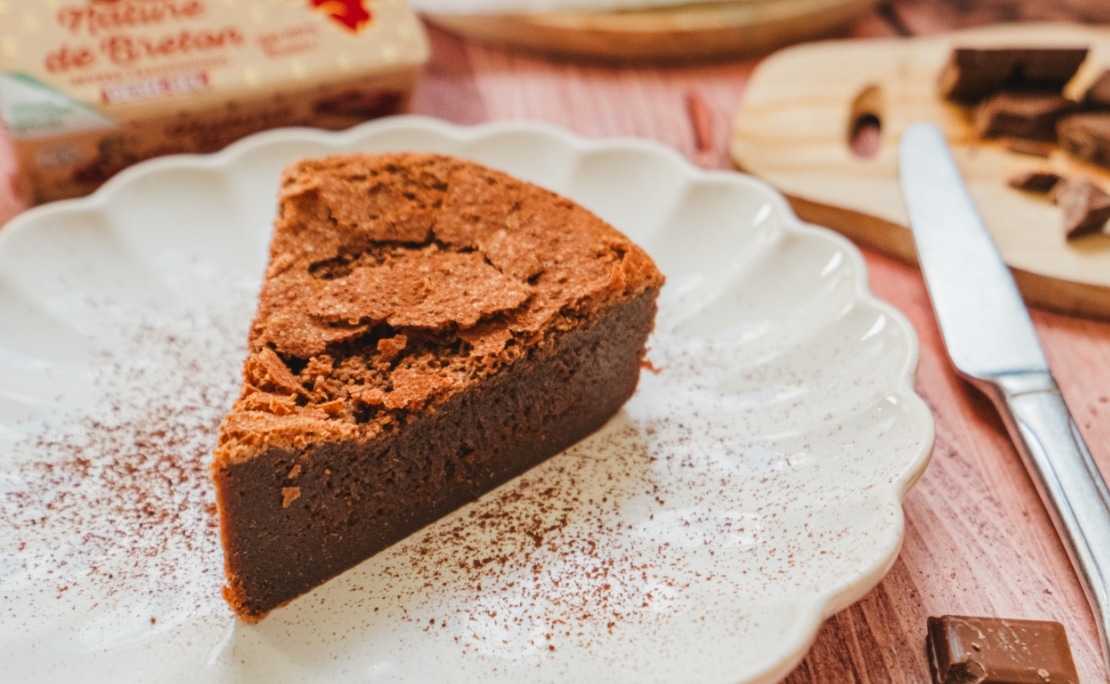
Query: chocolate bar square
point(986, 650)
point(1028, 115)
point(973, 73)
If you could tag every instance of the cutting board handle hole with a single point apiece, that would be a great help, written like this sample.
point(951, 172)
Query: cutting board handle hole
point(865, 132)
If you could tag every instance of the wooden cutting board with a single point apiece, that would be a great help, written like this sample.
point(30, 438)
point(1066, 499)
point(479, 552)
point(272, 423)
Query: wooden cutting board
point(802, 104)
point(672, 33)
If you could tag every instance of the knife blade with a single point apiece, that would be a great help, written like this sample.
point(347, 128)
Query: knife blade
point(992, 343)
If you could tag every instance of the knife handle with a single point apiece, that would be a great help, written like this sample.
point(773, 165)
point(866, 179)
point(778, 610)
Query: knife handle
point(1066, 477)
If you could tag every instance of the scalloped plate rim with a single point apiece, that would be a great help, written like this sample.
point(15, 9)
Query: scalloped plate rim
point(817, 607)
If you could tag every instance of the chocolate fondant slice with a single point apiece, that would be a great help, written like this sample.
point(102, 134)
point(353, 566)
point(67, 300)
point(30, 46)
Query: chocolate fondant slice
point(427, 329)
point(984, 650)
point(973, 73)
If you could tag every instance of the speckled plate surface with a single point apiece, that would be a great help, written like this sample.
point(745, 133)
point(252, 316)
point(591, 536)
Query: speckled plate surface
point(751, 487)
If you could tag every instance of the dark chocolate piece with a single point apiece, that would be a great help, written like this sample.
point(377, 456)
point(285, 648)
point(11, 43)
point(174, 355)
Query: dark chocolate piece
point(1035, 181)
point(1086, 137)
point(1098, 94)
point(1033, 148)
point(983, 650)
point(1028, 115)
point(973, 73)
point(1086, 207)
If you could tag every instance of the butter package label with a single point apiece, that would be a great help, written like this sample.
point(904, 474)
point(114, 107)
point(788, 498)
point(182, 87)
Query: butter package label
point(89, 87)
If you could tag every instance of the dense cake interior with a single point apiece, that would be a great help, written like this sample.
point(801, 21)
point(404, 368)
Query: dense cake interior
point(397, 281)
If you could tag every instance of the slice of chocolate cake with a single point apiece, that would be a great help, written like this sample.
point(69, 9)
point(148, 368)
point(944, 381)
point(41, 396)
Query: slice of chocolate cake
point(427, 329)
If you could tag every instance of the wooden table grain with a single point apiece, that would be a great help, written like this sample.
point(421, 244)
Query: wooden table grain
point(977, 540)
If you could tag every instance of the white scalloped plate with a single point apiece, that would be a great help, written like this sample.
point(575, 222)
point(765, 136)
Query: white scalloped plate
point(751, 488)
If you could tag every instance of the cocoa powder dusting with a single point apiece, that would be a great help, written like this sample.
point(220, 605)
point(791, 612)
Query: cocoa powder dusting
point(107, 505)
point(545, 524)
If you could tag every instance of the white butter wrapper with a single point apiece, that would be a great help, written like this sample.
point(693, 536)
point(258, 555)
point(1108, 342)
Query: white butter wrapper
point(89, 87)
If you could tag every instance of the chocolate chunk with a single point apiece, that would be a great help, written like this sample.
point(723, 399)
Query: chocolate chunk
point(1029, 115)
point(1035, 181)
point(1086, 207)
point(981, 650)
point(972, 73)
point(1098, 95)
point(1086, 136)
point(1033, 148)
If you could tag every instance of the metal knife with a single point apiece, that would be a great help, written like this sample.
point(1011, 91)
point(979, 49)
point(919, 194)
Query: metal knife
point(992, 343)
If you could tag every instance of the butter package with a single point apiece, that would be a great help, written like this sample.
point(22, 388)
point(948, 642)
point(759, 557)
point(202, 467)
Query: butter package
point(89, 87)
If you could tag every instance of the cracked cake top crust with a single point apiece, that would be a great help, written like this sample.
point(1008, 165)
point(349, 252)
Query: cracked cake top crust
point(398, 280)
